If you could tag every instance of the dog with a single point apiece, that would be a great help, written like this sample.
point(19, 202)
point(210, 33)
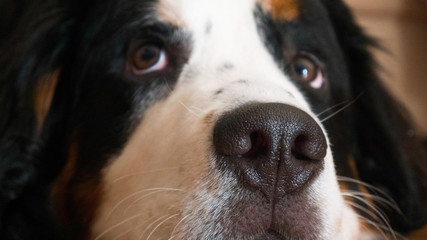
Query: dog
point(200, 119)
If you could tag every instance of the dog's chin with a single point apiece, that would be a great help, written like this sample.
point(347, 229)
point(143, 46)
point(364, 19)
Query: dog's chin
point(255, 234)
point(239, 213)
point(254, 217)
point(346, 227)
point(269, 234)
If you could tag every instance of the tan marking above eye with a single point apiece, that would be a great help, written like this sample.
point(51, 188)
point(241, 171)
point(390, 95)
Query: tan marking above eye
point(282, 9)
point(166, 12)
point(43, 96)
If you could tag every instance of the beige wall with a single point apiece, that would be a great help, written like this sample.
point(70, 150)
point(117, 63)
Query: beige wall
point(401, 27)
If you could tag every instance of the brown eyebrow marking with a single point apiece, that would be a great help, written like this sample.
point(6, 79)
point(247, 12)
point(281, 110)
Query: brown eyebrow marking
point(282, 9)
point(166, 12)
point(43, 96)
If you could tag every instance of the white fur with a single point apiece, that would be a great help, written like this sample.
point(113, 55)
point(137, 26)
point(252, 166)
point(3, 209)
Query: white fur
point(172, 147)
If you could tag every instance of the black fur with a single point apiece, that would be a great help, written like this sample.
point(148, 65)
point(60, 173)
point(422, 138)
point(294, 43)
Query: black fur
point(387, 153)
point(33, 39)
point(94, 102)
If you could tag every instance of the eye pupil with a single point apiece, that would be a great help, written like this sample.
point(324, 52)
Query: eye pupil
point(301, 70)
point(305, 69)
point(147, 56)
point(149, 53)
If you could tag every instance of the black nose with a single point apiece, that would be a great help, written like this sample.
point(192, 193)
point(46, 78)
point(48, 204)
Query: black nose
point(274, 147)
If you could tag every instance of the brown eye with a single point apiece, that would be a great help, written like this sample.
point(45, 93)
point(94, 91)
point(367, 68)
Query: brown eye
point(308, 71)
point(148, 58)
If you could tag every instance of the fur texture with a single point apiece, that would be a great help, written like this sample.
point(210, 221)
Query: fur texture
point(91, 149)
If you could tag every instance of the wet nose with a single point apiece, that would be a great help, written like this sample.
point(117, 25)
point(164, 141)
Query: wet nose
point(274, 147)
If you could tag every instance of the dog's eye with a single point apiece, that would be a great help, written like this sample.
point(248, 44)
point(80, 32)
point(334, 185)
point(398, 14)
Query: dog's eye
point(308, 70)
point(149, 58)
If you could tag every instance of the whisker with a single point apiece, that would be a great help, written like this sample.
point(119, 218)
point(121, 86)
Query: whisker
point(375, 225)
point(149, 194)
point(330, 108)
point(176, 226)
point(198, 109)
point(369, 186)
point(379, 199)
point(365, 210)
point(123, 234)
point(158, 225)
point(146, 229)
point(383, 227)
point(118, 225)
point(378, 212)
point(362, 226)
point(341, 109)
point(184, 105)
point(132, 195)
point(187, 166)
point(142, 172)
point(189, 109)
point(132, 229)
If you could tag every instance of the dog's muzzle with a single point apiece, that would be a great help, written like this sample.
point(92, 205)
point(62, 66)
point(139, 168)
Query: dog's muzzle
point(275, 148)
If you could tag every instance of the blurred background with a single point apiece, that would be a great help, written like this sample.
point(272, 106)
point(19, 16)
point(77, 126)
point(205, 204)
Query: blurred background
point(401, 27)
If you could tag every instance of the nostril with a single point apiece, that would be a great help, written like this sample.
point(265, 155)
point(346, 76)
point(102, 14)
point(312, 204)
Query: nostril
point(258, 145)
point(303, 148)
point(299, 148)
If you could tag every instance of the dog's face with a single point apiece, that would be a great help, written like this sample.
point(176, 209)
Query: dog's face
point(222, 142)
point(190, 119)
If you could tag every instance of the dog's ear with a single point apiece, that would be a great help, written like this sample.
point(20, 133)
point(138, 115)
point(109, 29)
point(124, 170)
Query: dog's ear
point(387, 152)
point(34, 36)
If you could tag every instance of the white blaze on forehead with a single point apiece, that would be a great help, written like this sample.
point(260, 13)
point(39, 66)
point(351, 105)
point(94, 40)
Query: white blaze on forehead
point(225, 32)
point(230, 22)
